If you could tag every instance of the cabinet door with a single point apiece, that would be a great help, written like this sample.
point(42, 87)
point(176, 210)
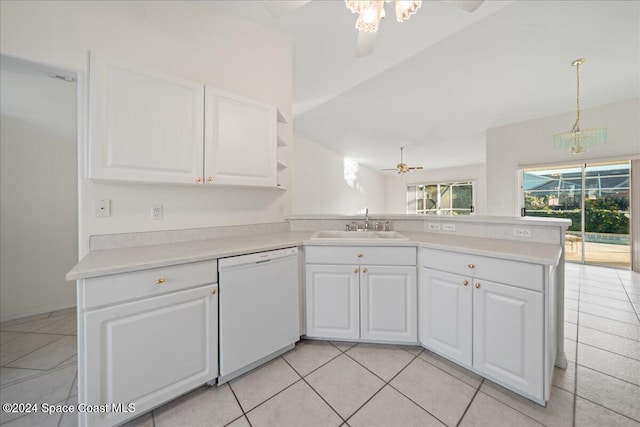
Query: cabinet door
point(507, 330)
point(446, 314)
point(149, 351)
point(333, 301)
point(240, 140)
point(143, 125)
point(388, 303)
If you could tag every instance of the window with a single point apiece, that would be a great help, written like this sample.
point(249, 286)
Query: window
point(451, 198)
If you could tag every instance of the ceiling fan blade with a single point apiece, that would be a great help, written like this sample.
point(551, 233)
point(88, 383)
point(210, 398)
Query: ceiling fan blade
point(468, 5)
point(416, 168)
point(365, 44)
point(390, 169)
point(280, 8)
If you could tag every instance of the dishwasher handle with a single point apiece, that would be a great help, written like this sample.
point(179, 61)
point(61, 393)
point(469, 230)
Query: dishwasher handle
point(259, 257)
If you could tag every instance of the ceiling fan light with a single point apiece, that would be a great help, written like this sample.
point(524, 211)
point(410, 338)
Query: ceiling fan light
point(355, 6)
point(370, 15)
point(406, 8)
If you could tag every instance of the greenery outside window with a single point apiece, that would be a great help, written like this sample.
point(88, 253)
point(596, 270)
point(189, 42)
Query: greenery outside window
point(450, 198)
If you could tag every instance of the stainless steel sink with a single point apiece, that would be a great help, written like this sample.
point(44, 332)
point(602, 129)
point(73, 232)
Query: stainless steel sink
point(357, 235)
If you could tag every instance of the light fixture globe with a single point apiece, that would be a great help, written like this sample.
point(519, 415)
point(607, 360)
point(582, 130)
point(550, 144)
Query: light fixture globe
point(371, 13)
point(404, 9)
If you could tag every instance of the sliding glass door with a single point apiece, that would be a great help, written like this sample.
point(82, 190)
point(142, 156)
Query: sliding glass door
point(596, 199)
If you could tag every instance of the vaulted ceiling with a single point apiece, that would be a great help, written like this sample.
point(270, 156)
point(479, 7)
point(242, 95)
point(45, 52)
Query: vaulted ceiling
point(435, 83)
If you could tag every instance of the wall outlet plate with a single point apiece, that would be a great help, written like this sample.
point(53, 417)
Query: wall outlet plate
point(433, 226)
point(448, 227)
point(522, 232)
point(156, 212)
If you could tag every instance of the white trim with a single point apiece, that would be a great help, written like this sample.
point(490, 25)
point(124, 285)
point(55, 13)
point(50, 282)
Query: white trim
point(634, 184)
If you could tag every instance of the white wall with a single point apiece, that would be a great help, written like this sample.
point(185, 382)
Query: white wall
point(38, 191)
point(180, 38)
point(395, 187)
point(327, 183)
point(528, 143)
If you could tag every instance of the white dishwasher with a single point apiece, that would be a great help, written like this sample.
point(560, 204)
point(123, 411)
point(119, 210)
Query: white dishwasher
point(258, 306)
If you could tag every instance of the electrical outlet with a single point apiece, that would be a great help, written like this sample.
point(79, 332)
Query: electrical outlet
point(103, 208)
point(522, 232)
point(156, 211)
point(448, 227)
point(433, 226)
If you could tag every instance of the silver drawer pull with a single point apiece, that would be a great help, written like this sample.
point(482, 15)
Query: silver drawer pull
point(160, 281)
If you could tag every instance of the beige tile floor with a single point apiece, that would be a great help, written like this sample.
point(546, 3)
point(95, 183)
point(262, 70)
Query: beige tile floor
point(323, 383)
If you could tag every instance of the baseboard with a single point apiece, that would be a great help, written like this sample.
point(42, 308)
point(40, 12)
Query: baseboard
point(29, 313)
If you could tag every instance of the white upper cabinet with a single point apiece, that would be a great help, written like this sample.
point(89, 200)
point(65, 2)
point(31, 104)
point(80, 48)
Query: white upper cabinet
point(146, 126)
point(240, 140)
point(143, 125)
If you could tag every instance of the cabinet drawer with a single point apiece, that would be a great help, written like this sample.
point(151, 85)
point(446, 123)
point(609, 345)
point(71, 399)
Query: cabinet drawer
point(370, 255)
point(515, 273)
point(116, 288)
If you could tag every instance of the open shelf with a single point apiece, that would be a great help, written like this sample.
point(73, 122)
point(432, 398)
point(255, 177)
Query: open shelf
point(281, 118)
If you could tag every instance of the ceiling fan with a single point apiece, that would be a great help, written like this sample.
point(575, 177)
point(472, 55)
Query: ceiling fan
point(370, 14)
point(402, 167)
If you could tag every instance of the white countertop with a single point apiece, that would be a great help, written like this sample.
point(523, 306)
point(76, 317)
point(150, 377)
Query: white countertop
point(113, 261)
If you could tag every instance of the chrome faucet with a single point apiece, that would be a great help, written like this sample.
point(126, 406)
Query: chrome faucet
point(366, 219)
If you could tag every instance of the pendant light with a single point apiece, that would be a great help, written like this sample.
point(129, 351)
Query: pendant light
point(578, 140)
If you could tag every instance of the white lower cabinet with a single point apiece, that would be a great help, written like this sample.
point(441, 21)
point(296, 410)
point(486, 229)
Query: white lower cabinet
point(333, 301)
point(147, 351)
point(361, 301)
point(495, 329)
point(446, 314)
point(388, 309)
point(507, 335)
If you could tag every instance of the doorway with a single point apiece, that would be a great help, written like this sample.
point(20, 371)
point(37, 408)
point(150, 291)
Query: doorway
point(596, 197)
point(39, 187)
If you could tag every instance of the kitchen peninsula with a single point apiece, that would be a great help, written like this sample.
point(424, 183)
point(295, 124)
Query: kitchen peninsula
point(505, 272)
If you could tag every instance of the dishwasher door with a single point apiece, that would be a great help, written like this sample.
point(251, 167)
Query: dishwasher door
point(258, 305)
